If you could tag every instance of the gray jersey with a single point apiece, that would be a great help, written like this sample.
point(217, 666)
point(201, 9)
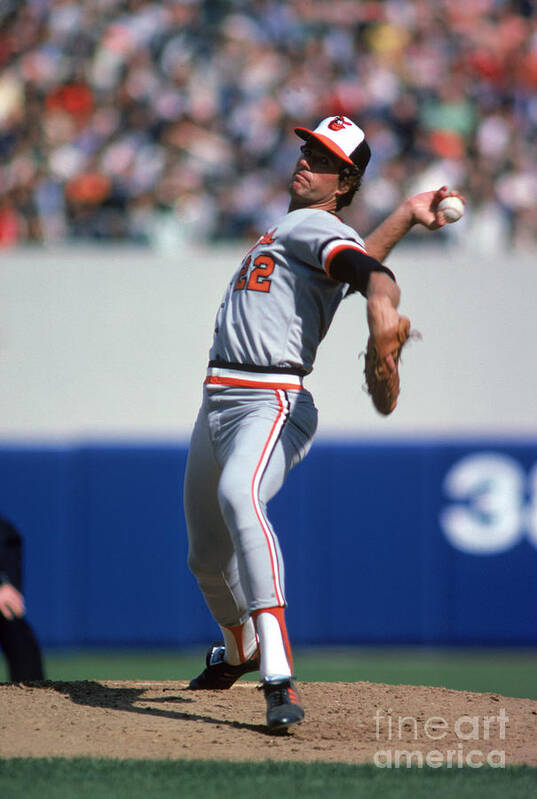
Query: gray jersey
point(280, 303)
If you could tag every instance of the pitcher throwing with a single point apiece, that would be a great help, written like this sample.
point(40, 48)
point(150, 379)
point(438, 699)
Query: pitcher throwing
point(257, 420)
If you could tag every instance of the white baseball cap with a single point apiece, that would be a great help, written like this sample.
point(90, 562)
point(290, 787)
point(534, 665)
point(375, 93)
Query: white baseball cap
point(342, 137)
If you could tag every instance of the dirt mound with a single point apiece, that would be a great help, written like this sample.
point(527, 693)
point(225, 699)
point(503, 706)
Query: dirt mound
point(345, 722)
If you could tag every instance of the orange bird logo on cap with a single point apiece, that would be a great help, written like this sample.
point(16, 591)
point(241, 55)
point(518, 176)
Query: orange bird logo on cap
point(338, 123)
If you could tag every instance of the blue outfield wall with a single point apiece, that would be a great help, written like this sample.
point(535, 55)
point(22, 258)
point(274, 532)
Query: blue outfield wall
point(384, 543)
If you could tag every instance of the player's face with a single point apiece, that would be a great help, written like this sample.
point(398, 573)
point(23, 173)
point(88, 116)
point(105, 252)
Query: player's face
point(315, 180)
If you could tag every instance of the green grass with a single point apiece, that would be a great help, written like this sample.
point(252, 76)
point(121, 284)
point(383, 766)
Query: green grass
point(89, 778)
point(511, 673)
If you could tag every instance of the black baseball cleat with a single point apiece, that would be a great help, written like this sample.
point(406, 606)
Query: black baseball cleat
point(219, 675)
point(283, 703)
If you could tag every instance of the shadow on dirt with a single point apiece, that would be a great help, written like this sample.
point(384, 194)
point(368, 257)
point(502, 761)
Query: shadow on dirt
point(94, 694)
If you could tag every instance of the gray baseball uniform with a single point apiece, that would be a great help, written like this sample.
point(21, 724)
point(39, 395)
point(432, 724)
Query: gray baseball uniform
point(256, 420)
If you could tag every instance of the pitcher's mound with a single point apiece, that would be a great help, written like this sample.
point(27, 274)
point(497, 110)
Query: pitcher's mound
point(345, 722)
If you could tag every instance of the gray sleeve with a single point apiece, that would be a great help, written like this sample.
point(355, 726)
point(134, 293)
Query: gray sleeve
point(313, 238)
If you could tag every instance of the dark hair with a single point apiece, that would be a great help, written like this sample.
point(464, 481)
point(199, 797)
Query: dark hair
point(355, 175)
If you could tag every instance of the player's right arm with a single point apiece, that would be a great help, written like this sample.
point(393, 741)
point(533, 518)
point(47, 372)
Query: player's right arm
point(323, 241)
point(419, 209)
point(363, 273)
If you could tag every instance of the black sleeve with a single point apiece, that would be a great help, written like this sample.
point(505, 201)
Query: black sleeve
point(10, 554)
point(354, 267)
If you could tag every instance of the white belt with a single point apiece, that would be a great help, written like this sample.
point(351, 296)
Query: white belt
point(217, 376)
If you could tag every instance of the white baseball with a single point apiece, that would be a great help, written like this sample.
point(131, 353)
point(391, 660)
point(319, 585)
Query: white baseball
point(452, 207)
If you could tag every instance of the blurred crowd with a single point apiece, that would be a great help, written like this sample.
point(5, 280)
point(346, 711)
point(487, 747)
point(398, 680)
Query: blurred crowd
point(170, 121)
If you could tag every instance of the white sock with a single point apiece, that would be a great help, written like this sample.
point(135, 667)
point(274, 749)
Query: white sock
point(273, 658)
point(249, 643)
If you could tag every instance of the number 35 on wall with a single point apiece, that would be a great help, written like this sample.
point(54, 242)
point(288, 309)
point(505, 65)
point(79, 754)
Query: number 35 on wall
point(491, 511)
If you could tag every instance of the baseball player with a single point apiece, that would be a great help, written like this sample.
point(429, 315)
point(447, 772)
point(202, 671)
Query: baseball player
point(257, 420)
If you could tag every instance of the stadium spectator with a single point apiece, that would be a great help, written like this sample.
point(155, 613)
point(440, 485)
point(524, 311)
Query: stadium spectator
point(180, 112)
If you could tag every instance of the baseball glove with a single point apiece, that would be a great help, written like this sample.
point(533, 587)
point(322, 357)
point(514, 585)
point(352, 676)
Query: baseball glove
point(381, 365)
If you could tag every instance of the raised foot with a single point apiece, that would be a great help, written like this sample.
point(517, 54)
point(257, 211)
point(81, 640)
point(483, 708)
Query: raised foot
point(219, 675)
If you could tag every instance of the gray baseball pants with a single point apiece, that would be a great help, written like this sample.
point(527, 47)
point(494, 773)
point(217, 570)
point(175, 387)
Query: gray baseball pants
point(243, 445)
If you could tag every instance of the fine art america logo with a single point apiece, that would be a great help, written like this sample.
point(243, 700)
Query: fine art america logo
point(494, 504)
point(467, 741)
